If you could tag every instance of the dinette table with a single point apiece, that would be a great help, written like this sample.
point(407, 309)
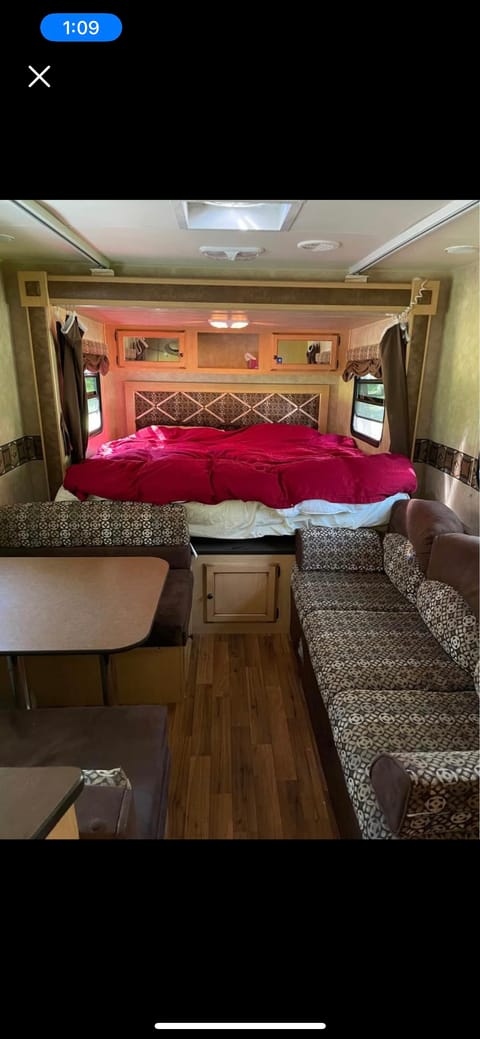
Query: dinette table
point(74, 605)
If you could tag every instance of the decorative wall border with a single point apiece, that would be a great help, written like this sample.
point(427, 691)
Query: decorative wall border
point(448, 460)
point(18, 452)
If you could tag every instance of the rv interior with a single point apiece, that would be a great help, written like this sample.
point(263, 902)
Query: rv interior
point(239, 526)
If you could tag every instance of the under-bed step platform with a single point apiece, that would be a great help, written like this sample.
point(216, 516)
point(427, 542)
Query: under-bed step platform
point(276, 544)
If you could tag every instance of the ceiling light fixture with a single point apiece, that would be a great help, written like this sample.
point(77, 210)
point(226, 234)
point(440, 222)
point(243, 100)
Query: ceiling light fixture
point(412, 234)
point(228, 321)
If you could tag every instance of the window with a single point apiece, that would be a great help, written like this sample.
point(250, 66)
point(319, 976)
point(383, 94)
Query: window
point(94, 400)
point(368, 410)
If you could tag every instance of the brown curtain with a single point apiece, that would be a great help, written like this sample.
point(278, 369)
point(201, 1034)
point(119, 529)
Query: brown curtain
point(75, 408)
point(67, 443)
point(392, 354)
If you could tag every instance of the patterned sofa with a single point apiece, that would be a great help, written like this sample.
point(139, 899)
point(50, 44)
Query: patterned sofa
point(156, 671)
point(386, 632)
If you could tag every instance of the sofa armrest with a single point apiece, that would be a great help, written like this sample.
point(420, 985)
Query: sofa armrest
point(428, 795)
point(106, 813)
point(327, 548)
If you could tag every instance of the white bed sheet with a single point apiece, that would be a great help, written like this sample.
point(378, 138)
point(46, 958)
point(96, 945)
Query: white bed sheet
point(251, 519)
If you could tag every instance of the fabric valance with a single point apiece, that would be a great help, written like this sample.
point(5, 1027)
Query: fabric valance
point(363, 352)
point(95, 357)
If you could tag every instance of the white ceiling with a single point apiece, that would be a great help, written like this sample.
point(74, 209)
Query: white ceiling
point(138, 235)
point(143, 237)
point(268, 320)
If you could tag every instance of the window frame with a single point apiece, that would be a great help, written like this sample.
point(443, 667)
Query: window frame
point(363, 436)
point(97, 395)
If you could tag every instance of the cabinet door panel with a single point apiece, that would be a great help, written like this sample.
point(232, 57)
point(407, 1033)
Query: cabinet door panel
point(240, 591)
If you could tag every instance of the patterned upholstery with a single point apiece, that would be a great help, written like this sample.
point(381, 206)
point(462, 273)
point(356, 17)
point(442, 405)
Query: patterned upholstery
point(365, 724)
point(401, 566)
point(345, 590)
point(106, 777)
point(72, 524)
point(393, 656)
point(377, 650)
point(429, 794)
point(371, 820)
point(451, 621)
point(324, 548)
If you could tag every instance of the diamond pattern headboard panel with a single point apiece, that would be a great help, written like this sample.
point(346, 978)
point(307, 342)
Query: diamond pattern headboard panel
point(149, 404)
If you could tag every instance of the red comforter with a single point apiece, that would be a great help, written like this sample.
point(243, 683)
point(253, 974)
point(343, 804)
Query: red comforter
point(275, 464)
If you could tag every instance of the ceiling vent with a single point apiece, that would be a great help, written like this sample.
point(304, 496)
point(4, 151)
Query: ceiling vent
point(218, 252)
point(318, 245)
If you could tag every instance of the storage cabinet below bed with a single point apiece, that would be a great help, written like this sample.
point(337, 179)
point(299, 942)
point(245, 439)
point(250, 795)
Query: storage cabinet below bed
point(241, 594)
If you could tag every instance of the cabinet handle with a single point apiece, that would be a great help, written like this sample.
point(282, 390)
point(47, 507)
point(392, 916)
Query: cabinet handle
point(210, 595)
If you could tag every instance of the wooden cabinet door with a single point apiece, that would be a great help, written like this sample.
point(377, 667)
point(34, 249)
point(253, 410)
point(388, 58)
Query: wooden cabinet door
point(240, 592)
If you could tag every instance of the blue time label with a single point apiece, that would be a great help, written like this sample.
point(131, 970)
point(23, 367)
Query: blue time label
point(78, 28)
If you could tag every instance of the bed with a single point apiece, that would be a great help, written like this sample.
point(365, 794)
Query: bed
point(268, 473)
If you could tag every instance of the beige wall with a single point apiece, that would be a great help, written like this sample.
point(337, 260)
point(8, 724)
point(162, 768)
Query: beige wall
point(449, 410)
point(18, 407)
point(14, 485)
point(454, 411)
point(10, 410)
point(25, 374)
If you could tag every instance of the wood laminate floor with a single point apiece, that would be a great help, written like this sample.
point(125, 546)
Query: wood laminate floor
point(244, 759)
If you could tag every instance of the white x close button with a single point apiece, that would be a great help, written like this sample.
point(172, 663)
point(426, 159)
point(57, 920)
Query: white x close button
point(39, 76)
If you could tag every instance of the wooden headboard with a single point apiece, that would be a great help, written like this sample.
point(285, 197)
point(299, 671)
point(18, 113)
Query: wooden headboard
point(199, 404)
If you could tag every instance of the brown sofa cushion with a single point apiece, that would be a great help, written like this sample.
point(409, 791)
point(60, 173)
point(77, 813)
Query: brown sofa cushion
point(134, 738)
point(105, 813)
point(425, 521)
point(177, 556)
point(455, 560)
point(398, 518)
point(172, 618)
